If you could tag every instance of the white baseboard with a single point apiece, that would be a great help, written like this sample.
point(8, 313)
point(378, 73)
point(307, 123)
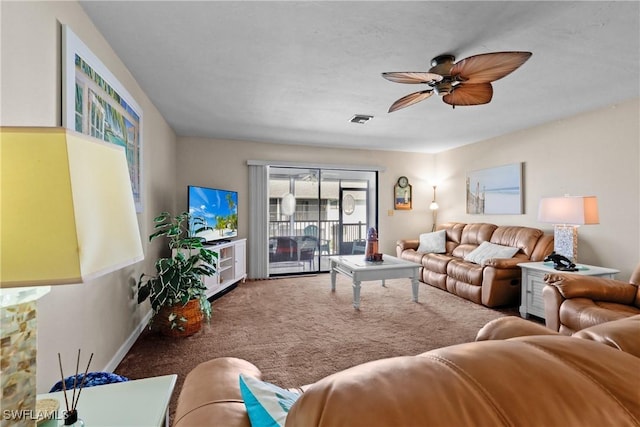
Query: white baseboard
point(126, 346)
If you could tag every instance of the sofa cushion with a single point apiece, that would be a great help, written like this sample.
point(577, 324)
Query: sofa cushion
point(580, 313)
point(453, 230)
point(465, 272)
point(436, 262)
point(432, 242)
point(477, 233)
point(488, 250)
point(413, 256)
point(463, 250)
point(473, 384)
point(523, 238)
point(267, 404)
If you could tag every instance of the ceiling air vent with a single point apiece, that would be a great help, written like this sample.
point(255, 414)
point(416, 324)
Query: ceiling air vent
point(360, 119)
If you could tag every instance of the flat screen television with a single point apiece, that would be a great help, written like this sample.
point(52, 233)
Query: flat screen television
point(219, 210)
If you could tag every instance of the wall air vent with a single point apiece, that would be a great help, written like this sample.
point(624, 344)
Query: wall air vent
point(360, 119)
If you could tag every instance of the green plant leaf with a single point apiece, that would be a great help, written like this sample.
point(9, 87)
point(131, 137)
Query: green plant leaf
point(180, 277)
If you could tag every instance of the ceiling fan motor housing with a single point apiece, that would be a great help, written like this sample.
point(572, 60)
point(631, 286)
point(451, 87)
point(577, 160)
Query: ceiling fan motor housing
point(442, 64)
point(444, 87)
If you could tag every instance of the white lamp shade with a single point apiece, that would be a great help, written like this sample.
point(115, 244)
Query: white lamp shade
point(68, 214)
point(574, 210)
point(288, 204)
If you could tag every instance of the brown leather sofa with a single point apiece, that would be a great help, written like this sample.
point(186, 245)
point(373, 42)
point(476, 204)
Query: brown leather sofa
point(545, 379)
point(573, 302)
point(495, 284)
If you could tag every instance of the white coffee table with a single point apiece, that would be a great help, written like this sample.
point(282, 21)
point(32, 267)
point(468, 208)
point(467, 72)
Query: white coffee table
point(359, 270)
point(132, 403)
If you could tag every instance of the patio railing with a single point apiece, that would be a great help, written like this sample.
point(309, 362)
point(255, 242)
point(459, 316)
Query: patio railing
point(328, 232)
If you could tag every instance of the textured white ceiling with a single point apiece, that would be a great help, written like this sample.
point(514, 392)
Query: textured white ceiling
point(296, 72)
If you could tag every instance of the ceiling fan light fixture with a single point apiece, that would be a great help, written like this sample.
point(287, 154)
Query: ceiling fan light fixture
point(442, 59)
point(360, 119)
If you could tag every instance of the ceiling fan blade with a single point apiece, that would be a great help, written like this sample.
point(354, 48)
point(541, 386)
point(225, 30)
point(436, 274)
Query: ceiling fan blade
point(412, 77)
point(470, 94)
point(488, 67)
point(410, 99)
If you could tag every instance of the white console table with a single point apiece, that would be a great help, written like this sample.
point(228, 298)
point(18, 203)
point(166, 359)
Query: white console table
point(231, 268)
point(533, 273)
point(132, 403)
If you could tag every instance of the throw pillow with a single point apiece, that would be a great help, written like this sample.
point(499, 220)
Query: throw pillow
point(266, 403)
point(433, 242)
point(488, 250)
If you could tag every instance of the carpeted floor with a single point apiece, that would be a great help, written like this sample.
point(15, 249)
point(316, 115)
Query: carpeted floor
point(297, 331)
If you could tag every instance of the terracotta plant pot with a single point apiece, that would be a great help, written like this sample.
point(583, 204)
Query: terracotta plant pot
point(191, 311)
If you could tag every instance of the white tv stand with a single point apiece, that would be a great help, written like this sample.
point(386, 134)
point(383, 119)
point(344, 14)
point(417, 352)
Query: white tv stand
point(232, 266)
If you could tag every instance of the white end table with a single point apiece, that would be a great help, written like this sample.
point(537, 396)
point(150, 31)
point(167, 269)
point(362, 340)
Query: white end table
point(533, 273)
point(131, 403)
point(359, 270)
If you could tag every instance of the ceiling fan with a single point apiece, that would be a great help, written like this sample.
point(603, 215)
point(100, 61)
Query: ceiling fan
point(466, 82)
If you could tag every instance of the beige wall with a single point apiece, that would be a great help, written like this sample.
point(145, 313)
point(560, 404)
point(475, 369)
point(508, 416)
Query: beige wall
point(223, 164)
point(101, 316)
point(591, 154)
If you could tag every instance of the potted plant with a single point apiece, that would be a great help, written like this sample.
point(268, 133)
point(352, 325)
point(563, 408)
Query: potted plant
point(177, 292)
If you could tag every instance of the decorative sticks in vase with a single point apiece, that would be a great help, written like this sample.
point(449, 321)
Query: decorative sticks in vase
point(71, 414)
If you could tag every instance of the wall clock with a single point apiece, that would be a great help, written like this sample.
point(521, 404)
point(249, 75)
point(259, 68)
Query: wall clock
point(402, 194)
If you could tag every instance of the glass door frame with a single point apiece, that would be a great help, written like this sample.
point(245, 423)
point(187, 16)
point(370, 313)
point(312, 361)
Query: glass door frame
point(328, 242)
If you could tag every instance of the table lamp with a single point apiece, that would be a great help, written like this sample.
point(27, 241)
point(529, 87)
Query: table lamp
point(434, 209)
point(567, 214)
point(67, 216)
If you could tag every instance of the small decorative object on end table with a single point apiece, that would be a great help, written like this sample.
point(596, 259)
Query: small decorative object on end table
point(560, 262)
point(71, 413)
point(131, 403)
point(533, 281)
point(371, 253)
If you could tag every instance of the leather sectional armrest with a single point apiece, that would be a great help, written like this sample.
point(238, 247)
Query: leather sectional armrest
point(592, 287)
point(503, 262)
point(511, 327)
point(621, 334)
point(211, 394)
point(408, 244)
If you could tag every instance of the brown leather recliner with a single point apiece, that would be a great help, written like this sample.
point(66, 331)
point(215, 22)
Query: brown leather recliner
point(573, 302)
point(541, 380)
point(620, 334)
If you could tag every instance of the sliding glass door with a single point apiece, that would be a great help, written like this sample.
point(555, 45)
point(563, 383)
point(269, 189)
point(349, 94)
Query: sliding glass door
point(315, 213)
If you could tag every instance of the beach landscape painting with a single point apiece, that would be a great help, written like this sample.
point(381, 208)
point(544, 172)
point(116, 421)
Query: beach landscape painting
point(95, 103)
point(496, 190)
